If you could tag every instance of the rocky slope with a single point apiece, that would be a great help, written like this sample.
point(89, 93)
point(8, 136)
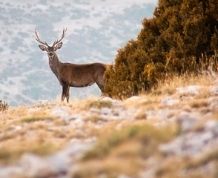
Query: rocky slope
point(170, 132)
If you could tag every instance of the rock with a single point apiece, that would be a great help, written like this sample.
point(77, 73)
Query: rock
point(134, 98)
point(11, 172)
point(53, 166)
point(212, 126)
point(35, 166)
point(189, 90)
point(193, 142)
point(169, 101)
point(214, 90)
point(61, 112)
point(186, 122)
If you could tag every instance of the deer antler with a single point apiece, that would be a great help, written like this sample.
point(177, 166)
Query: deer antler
point(58, 41)
point(37, 39)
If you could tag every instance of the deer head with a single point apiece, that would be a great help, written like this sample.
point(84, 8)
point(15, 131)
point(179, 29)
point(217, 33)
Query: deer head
point(50, 49)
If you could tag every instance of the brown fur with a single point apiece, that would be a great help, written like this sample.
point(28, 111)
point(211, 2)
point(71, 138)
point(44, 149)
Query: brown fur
point(72, 75)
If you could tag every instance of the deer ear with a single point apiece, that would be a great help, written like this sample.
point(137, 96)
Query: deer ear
point(43, 48)
point(58, 46)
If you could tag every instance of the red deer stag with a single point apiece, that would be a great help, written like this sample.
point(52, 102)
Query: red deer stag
point(72, 75)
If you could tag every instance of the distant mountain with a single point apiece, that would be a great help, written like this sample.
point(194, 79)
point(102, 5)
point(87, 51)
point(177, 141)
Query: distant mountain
point(96, 30)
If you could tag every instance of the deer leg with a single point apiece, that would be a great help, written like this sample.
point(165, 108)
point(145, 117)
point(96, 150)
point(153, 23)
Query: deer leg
point(100, 82)
point(100, 86)
point(67, 94)
point(63, 92)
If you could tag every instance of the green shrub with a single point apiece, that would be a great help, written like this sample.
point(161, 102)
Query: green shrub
point(181, 37)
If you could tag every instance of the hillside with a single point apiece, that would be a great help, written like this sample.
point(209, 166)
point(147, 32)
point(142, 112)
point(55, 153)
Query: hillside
point(171, 131)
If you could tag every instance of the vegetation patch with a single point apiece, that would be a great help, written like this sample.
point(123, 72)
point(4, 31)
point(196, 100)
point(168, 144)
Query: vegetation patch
point(123, 151)
point(180, 38)
point(199, 103)
point(94, 118)
point(11, 154)
point(35, 119)
point(193, 167)
point(143, 134)
point(203, 159)
point(99, 104)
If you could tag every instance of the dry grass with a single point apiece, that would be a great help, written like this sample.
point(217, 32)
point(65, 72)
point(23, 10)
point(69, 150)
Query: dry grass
point(199, 103)
point(35, 119)
point(123, 151)
point(34, 138)
point(11, 152)
point(35, 130)
point(203, 159)
point(170, 84)
point(27, 130)
point(123, 145)
point(99, 104)
point(94, 118)
point(28, 139)
point(188, 167)
point(168, 89)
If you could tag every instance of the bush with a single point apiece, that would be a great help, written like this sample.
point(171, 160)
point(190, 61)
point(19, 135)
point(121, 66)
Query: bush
point(181, 37)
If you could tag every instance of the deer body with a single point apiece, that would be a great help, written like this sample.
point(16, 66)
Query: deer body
point(77, 75)
point(72, 75)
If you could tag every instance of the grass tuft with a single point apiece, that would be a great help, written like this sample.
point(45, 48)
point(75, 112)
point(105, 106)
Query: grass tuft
point(142, 133)
point(203, 159)
point(35, 119)
point(99, 104)
point(9, 155)
point(122, 152)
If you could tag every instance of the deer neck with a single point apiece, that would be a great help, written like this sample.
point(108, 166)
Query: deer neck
point(54, 64)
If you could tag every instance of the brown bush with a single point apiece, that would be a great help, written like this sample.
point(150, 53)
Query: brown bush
point(181, 37)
